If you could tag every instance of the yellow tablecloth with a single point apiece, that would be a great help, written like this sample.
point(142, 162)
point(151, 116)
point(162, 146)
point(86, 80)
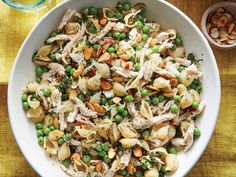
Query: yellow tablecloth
point(219, 158)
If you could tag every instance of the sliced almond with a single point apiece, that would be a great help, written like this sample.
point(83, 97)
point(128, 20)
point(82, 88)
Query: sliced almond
point(79, 70)
point(99, 109)
point(223, 39)
point(228, 16)
point(215, 34)
point(118, 79)
point(99, 167)
point(223, 34)
point(106, 85)
point(105, 47)
point(213, 30)
point(232, 36)
point(230, 42)
point(233, 31)
point(103, 21)
point(153, 42)
point(131, 168)
point(90, 106)
point(220, 10)
point(111, 153)
point(215, 18)
point(222, 21)
point(218, 41)
point(99, 51)
point(73, 94)
point(230, 28)
point(137, 151)
point(88, 52)
point(208, 27)
point(104, 57)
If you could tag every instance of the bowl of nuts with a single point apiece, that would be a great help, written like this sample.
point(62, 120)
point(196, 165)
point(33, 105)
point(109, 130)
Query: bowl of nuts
point(219, 24)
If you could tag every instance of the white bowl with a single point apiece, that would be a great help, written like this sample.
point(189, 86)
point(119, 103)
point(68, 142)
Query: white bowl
point(161, 11)
point(230, 7)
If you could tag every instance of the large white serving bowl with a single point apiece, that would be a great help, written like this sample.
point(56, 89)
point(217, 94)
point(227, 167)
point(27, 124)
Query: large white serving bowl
point(159, 10)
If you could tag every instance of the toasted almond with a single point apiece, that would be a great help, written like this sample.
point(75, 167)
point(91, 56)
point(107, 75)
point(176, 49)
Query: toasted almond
point(99, 109)
point(131, 169)
point(105, 85)
point(75, 157)
point(228, 16)
point(55, 134)
point(90, 106)
point(223, 34)
point(213, 30)
point(137, 151)
point(230, 42)
point(105, 47)
point(223, 39)
point(79, 70)
point(208, 27)
point(118, 79)
point(220, 10)
point(99, 167)
point(126, 64)
point(232, 36)
point(218, 41)
point(88, 52)
point(103, 21)
point(111, 153)
point(233, 31)
point(153, 42)
point(56, 122)
point(222, 21)
point(215, 34)
point(104, 57)
point(99, 51)
point(215, 18)
point(73, 94)
point(230, 28)
point(117, 175)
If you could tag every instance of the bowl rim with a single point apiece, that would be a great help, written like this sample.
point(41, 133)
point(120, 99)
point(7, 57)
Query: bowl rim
point(203, 146)
point(205, 15)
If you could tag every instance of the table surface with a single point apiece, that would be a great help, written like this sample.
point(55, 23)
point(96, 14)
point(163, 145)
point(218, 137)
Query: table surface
point(218, 160)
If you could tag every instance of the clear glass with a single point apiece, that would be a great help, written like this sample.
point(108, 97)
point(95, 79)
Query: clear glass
point(28, 5)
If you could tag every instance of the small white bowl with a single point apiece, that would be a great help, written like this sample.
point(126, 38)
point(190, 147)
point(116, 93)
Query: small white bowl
point(230, 7)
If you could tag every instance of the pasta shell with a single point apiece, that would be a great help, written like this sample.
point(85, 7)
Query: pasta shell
point(85, 133)
point(104, 127)
point(195, 95)
point(160, 133)
point(186, 79)
point(127, 130)
point(64, 152)
point(103, 69)
point(36, 115)
point(128, 142)
point(95, 98)
point(118, 89)
point(160, 83)
point(114, 133)
point(186, 101)
point(80, 166)
point(177, 53)
point(151, 173)
point(50, 147)
point(82, 85)
point(32, 87)
point(94, 82)
point(172, 33)
point(181, 89)
point(33, 104)
point(72, 28)
point(56, 134)
point(145, 110)
point(44, 51)
point(171, 162)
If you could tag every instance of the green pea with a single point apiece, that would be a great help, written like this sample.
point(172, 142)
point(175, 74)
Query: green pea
point(139, 24)
point(66, 163)
point(109, 14)
point(173, 47)
point(92, 28)
point(110, 102)
point(99, 147)
point(39, 126)
point(116, 35)
point(155, 48)
point(60, 141)
point(155, 100)
point(125, 113)
point(138, 48)
point(24, 97)
point(144, 37)
point(181, 68)
point(72, 71)
point(177, 98)
point(144, 92)
point(118, 118)
point(106, 116)
point(172, 150)
point(119, 16)
point(52, 127)
point(123, 172)
point(95, 46)
point(53, 34)
point(109, 34)
point(129, 98)
point(102, 153)
point(39, 70)
point(84, 12)
point(106, 159)
point(81, 97)
point(163, 169)
point(137, 66)
point(68, 137)
point(53, 56)
point(38, 79)
point(68, 68)
point(161, 98)
point(123, 35)
point(111, 49)
point(103, 101)
point(40, 133)
point(138, 173)
point(126, 6)
point(146, 29)
point(195, 105)
point(86, 158)
point(174, 108)
point(36, 96)
point(25, 105)
point(145, 133)
point(46, 92)
point(46, 131)
point(41, 140)
point(197, 132)
point(89, 62)
point(199, 88)
point(178, 41)
point(92, 11)
point(133, 58)
point(105, 147)
point(140, 18)
point(120, 109)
